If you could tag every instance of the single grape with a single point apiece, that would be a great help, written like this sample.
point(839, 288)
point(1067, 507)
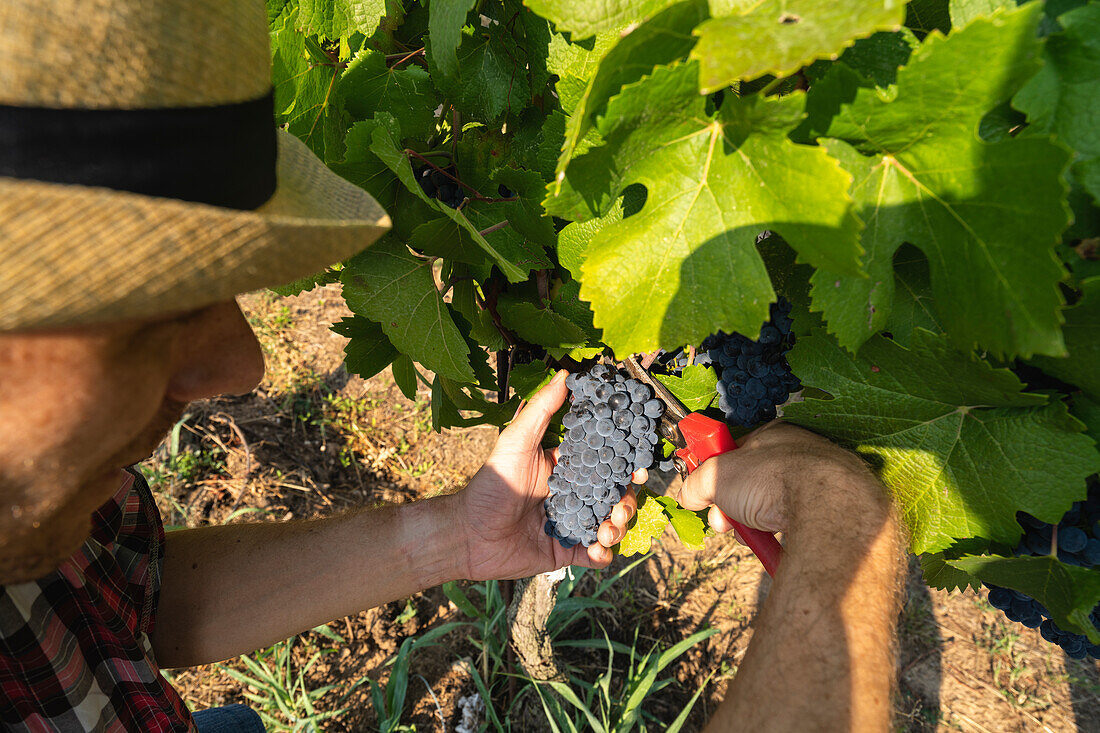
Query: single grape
point(1072, 539)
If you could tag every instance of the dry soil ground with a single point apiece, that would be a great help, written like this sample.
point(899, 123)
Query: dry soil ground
point(313, 440)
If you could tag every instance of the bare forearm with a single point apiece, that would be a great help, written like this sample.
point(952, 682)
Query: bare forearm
point(822, 655)
point(231, 589)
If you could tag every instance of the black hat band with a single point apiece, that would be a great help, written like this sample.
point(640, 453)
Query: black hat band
point(222, 155)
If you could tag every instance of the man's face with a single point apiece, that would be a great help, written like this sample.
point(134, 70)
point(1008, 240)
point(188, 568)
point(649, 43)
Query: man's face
point(77, 405)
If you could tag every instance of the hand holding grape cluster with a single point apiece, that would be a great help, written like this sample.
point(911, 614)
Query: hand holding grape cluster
point(611, 431)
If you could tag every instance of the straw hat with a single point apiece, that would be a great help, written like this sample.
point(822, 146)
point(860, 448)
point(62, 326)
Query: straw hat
point(140, 169)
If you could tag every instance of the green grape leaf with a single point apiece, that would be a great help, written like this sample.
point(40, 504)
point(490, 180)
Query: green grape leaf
point(537, 141)
point(404, 376)
point(526, 214)
point(365, 169)
point(663, 39)
point(1082, 331)
point(828, 93)
point(780, 36)
point(689, 526)
point(539, 325)
point(479, 155)
point(958, 443)
point(445, 413)
point(649, 523)
point(456, 238)
point(925, 16)
point(696, 387)
point(567, 302)
point(450, 399)
point(533, 32)
point(522, 254)
point(878, 57)
point(713, 185)
point(912, 306)
point(1087, 411)
point(574, 64)
point(491, 78)
point(307, 283)
point(1067, 591)
point(443, 237)
point(578, 354)
point(340, 18)
point(445, 21)
point(964, 11)
point(923, 176)
point(1064, 97)
point(464, 300)
point(369, 351)
point(274, 9)
point(584, 19)
point(368, 85)
point(485, 377)
point(515, 261)
point(305, 100)
point(939, 573)
point(394, 287)
point(527, 379)
point(573, 239)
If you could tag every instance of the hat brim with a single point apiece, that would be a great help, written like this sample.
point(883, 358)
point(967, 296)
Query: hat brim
point(73, 255)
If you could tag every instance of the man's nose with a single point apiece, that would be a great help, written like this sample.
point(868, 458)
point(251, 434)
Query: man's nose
point(216, 354)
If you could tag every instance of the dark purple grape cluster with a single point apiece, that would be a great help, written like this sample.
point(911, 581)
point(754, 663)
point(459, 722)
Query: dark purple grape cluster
point(610, 432)
point(753, 376)
point(437, 185)
point(1076, 541)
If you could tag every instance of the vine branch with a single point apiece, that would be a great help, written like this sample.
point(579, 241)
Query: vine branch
point(402, 57)
point(494, 228)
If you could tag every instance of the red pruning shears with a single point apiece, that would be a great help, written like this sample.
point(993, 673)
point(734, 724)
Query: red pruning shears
point(697, 438)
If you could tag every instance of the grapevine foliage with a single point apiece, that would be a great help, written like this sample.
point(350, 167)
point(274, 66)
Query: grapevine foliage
point(570, 180)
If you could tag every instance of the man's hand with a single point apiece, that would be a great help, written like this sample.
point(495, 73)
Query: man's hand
point(501, 511)
point(821, 653)
point(752, 484)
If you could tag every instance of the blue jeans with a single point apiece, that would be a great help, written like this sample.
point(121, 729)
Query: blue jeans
point(228, 719)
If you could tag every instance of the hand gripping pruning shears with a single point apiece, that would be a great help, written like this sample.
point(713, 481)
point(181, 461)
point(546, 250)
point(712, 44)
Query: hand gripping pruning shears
point(697, 438)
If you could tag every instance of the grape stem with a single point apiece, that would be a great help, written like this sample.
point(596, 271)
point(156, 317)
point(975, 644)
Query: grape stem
point(403, 57)
point(494, 228)
point(542, 281)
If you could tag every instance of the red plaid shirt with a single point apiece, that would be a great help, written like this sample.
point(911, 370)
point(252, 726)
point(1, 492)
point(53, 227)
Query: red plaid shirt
point(74, 646)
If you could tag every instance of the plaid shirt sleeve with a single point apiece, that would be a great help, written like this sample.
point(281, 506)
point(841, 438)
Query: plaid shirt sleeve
point(75, 653)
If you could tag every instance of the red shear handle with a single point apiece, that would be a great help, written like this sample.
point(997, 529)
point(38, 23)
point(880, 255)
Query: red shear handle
point(705, 438)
